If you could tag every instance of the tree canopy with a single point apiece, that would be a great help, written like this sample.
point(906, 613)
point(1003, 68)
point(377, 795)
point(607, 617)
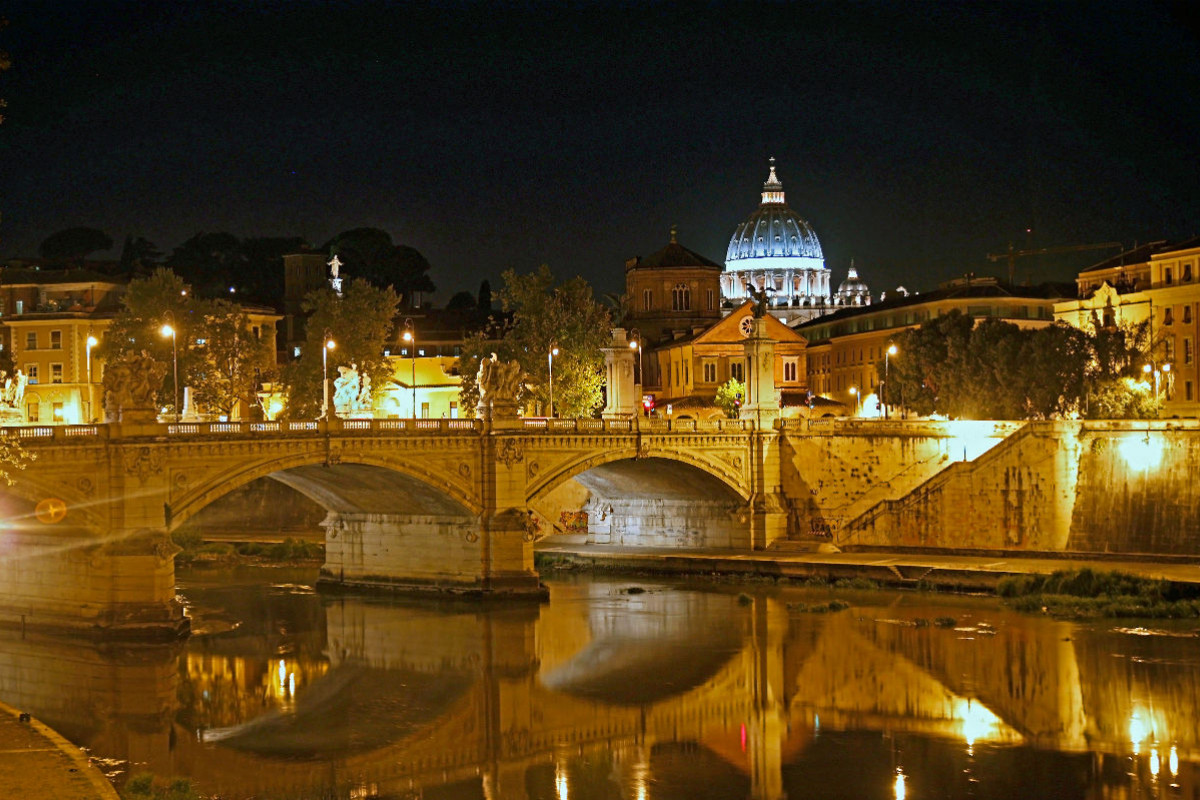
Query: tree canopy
point(545, 315)
point(997, 370)
point(360, 323)
point(370, 254)
point(74, 244)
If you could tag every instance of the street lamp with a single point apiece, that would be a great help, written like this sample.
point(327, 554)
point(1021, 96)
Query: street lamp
point(887, 387)
point(550, 362)
point(92, 341)
point(167, 330)
point(327, 344)
point(636, 344)
point(854, 393)
point(410, 336)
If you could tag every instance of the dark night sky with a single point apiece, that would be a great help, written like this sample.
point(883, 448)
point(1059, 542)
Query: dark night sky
point(915, 137)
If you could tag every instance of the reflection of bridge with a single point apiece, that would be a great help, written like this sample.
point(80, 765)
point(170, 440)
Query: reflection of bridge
point(414, 503)
point(415, 698)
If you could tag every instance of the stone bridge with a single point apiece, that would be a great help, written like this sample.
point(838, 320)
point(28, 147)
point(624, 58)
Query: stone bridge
point(445, 505)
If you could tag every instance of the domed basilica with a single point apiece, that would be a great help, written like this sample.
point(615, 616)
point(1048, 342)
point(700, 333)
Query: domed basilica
point(777, 250)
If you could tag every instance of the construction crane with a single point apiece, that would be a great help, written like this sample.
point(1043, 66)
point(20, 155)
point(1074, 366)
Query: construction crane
point(1012, 254)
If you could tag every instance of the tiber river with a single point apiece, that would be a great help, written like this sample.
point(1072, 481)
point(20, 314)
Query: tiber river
point(627, 688)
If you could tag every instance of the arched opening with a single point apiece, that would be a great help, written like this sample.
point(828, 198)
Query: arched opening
point(647, 502)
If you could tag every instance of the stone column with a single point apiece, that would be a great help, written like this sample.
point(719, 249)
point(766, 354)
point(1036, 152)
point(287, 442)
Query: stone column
point(619, 358)
point(761, 404)
point(768, 510)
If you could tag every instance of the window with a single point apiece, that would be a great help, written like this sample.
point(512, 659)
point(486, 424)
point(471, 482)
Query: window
point(1167, 278)
point(1167, 320)
point(710, 371)
point(1187, 314)
point(676, 373)
point(31, 373)
point(1187, 350)
point(686, 377)
point(789, 369)
point(711, 300)
point(257, 332)
point(57, 412)
point(56, 340)
point(424, 410)
point(453, 409)
point(737, 369)
point(56, 373)
point(1187, 273)
point(681, 298)
point(31, 340)
point(1169, 348)
point(296, 351)
point(647, 299)
point(31, 411)
point(1187, 388)
point(20, 307)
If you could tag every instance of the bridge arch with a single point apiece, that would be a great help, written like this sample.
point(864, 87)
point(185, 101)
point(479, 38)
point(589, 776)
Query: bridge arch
point(403, 480)
point(685, 462)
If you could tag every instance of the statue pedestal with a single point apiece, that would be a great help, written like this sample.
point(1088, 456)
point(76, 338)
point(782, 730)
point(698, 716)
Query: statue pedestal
point(498, 414)
point(138, 415)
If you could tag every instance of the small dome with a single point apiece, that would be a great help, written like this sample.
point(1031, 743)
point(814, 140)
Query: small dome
point(853, 290)
point(772, 231)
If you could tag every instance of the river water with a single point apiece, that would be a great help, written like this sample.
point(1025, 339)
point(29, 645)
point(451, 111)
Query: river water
point(626, 688)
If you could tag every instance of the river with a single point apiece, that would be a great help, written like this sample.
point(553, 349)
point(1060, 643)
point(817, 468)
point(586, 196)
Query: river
point(626, 688)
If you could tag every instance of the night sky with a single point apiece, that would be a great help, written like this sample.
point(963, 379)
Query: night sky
point(915, 137)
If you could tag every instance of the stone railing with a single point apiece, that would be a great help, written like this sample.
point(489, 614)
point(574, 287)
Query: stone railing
point(32, 434)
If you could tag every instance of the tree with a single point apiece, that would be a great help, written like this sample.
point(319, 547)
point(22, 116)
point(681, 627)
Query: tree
point(485, 296)
point(231, 359)
point(566, 316)
point(370, 254)
point(74, 244)
point(462, 301)
point(148, 304)
point(139, 255)
point(730, 396)
point(210, 262)
point(359, 322)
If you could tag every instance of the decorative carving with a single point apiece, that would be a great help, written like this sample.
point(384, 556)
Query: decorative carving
point(533, 468)
point(351, 392)
point(737, 463)
point(180, 479)
point(498, 384)
point(85, 485)
point(471, 536)
point(643, 450)
point(144, 462)
point(130, 383)
point(510, 453)
point(464, 469)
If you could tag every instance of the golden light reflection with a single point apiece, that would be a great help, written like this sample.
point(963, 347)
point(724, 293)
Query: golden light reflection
point(977, 721)
point(1155, 763)
point(560, 782)
point(898, 788)
point(1138, 730)
point(232, 690)
point(1140, 450)
point(1173, 762)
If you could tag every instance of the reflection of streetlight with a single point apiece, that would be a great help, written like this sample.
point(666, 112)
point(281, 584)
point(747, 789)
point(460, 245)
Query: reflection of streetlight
point(327, 344)
point(887, 387)
point(550, 362)
point(169, 330)
point(410, 336)
point(854, 392)
point(1165, 369)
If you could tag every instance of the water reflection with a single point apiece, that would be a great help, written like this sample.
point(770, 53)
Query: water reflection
point(611, 693)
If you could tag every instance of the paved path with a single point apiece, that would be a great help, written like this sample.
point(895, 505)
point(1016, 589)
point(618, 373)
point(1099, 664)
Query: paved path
point(35, 762)
point(973, 571)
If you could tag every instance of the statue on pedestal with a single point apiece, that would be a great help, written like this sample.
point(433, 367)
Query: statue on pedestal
point(498, 382)
point(130, 383)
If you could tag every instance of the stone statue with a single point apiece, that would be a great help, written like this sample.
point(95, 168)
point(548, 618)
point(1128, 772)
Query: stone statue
point(18, 389)
point(483, 378)
point(498, 384)
point(130, 383)
point(760, 303)
point(335, 264)
point(345, 388)
point(363, 401)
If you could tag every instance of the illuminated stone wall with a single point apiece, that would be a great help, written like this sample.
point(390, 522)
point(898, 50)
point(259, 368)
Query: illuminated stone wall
point(1053, 486)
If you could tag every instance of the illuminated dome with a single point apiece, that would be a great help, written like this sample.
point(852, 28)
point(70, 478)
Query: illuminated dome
point(773, 232)
point(776, 250)
point(853, 291)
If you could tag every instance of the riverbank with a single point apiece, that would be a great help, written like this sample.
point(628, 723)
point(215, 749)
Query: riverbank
point(35, 761)
point(904, 569)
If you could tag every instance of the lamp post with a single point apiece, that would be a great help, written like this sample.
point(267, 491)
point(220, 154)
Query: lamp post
point(327, 344)
point(168, 329)
point(854, 393)
point(636, 344)
point(410, 336)
point(550, 362)
point(887, 387)
point(91, 342)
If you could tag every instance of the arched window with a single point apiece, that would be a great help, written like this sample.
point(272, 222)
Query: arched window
point(681, 298)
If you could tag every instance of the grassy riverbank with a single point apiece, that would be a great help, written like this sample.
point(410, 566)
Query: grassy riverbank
point(287, 552)
point(1086, 593)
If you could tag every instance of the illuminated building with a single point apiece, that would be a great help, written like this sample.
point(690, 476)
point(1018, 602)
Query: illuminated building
point(777, 250)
